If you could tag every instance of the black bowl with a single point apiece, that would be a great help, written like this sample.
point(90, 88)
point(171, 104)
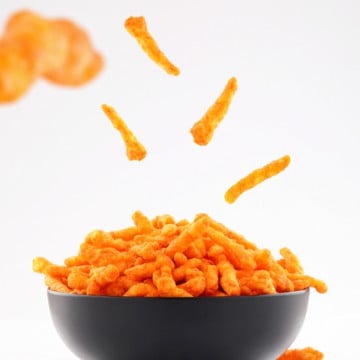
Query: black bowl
point(204, 328)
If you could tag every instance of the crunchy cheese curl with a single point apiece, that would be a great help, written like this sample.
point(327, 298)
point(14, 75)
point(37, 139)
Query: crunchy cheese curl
point(256, 177)
point(174, 259)
point(203, 130)
point(134, 149)
point(136, 27)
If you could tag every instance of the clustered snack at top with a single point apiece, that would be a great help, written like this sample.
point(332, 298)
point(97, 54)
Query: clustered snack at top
point(168, 258)
point(162, 257)
point(55, 49)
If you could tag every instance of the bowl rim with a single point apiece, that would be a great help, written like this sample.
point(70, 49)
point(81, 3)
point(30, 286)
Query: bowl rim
point(195, 298)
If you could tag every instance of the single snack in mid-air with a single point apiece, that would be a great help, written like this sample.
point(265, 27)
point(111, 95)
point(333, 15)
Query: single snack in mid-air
point(134, 149)
point(33, 46)
point(256, 177)
point(203, 130)
point(136, 26)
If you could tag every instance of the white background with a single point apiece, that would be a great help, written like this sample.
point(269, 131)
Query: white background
point(63, 170)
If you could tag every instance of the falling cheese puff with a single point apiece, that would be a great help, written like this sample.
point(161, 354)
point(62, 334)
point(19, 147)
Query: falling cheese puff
point(44, 44)
point(134, 149)
point(17, 71)
point(256, 177)
point(33, 46)
point(81, 61)
point(203, 130)
point(136, 27)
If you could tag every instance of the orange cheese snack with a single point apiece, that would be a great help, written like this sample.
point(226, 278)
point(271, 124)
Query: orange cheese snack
point(81, 61)
point(203, 130)
point(136, 27)
point(134, 149)
point(256, 177)
point(161, 257)
point(33, 46)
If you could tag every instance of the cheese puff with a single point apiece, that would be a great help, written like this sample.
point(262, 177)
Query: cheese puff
point(44, 266)
point(141, 272)
point(40, 264)
point(55, 284)
point(290, 261)
point(184, 240)
point(119, 286)
point(228, 279)
point(94, 288)
point(101, 239)
point(281, 281)
point(143, 223)
point(179, 273)
point(169, 229)
point(203, 130)
point(182, 223)
point(17, 71)
point(164, 280)
point(180, 259)
point(236, 253)
point(165, 240)
point(142, 290)
point(258, 284)
point(75, 261)
point(78, 280)
point(211, 278)
point(137, 27)
point(302, 282)
point(44, 45)
point(214, 252)
point(256, 177)
point(104, 275)
point(307, 353)
point(160, 221)
point(195, 282)
point(219, 293)
point(81, 63)
point(240, 239)
point(162, 260)
point(244, 274)
point(198, 227)
point(179, 244)
point(140, 239)
point(126, 234)
point(102, 256)
point(57, 271)
point(265, 261)
point(165, 284)
point(134, 149)
point(196, 249)
point(147, 251)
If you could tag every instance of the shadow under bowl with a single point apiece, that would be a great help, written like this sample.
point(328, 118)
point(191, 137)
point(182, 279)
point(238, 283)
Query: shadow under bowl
point(205, 328)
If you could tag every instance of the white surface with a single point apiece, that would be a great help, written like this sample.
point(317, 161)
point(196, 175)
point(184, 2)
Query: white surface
point(64, 172)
